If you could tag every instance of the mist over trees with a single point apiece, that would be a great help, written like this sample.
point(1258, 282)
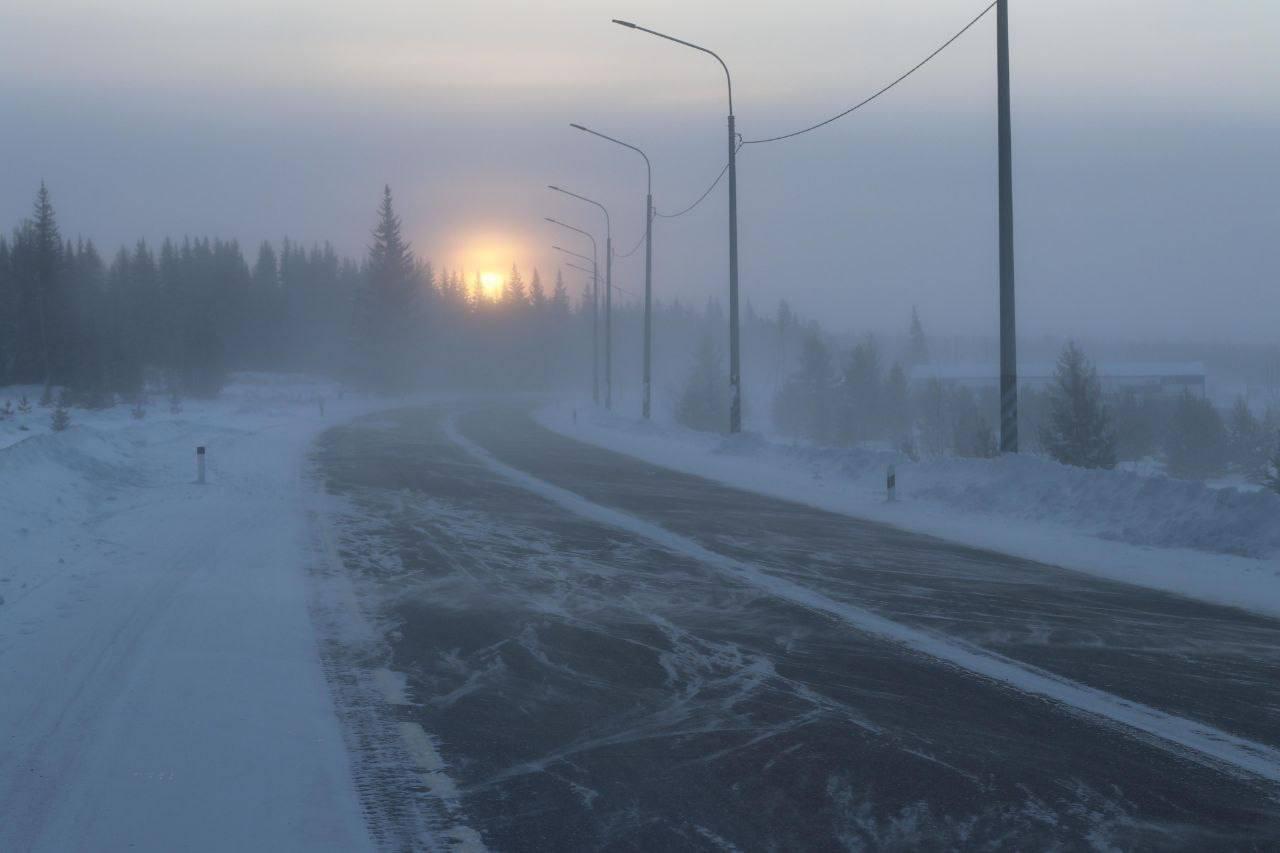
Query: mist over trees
point(864, 395)
point(177, 318)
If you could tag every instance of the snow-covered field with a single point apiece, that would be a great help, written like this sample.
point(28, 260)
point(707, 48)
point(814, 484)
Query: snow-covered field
point(160, 685)
point(1215, 544)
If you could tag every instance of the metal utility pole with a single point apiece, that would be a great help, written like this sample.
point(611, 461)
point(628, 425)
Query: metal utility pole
point(608, 288)
point(735, 376)
point(648, 262)
point(608, 322)
point(648, 303)
point(1008, 325)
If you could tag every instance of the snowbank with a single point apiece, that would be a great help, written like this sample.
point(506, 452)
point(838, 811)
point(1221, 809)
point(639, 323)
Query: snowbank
point(162, 687)
point(1219, 545)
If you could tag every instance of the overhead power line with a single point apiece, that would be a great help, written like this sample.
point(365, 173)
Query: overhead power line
point(700, 199)
point(741, 142)
point(877, 94)
point(632, 250)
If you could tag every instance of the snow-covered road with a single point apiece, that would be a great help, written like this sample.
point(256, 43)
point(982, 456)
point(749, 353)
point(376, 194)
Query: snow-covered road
point(160, 685)
point(602, 652)
point(449, 627)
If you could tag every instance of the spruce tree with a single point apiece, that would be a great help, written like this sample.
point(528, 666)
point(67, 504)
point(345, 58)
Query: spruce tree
point(537, 293)
point(1078, 430)
point(861, 414)
point(803, 405)
point(388, 305)
point(1245, 440)
point(704, 402)
point(560, 297)
point(1195, 444)
point(8, 314)
point(45, 296)
point(919, 344)
point(1271, 471)
point(513, 292)
point(61, 417)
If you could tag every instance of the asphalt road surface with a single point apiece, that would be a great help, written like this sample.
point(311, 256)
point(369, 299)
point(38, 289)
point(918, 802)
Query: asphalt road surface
point(605, 654)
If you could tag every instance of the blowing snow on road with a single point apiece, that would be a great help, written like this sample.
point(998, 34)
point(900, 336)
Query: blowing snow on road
point(604, 653)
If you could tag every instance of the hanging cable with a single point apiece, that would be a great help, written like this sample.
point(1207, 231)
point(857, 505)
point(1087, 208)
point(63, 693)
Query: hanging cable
point(633, 249)
point(868, 100)
point(700, 199)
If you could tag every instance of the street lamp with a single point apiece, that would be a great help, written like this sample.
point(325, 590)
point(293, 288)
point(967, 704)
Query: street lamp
point(580, 268)
point(595, 335)
point(608, 290)
point(591, 261)
point(648, 260)
point(591, 271)
point(735, 377)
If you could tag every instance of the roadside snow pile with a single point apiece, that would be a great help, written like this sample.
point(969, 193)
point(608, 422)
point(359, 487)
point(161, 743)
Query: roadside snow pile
point(158, 664)
point(1118, 505)
point(1217, 544)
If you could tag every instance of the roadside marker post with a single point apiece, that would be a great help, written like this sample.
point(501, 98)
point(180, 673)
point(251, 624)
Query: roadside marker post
point(891, 484)
point(200, 465)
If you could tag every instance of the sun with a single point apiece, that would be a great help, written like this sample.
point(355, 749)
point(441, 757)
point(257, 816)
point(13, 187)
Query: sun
point(491, 285)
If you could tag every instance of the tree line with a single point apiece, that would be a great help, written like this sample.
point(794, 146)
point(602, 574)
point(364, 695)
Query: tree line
point(850, 397)
point(180, 316)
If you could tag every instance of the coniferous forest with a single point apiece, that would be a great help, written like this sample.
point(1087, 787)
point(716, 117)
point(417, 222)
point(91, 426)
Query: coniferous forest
point(181, 315)
point(178, 318)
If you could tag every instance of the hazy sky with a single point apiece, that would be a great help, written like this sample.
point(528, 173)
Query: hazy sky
point(1146, 139)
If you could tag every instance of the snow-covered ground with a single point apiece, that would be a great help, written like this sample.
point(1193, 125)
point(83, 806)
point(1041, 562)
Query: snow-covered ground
point(160, 684)
point(1215, 544)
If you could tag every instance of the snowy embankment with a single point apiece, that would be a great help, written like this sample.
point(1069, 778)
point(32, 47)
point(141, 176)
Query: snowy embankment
point(1219, 545)
point(162, 686)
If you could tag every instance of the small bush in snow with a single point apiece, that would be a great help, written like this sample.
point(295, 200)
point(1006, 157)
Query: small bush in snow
point(24, 405)
point(61, 417)
point(6, 411)
point(1078, 429)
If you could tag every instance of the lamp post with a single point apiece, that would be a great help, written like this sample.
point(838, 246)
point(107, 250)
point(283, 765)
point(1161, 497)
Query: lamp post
point(648, 263)
point(1008, 326)
point(735, 377)
point(595, 317)
point(608, 288)
point(595, 311)
point(589, 270)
